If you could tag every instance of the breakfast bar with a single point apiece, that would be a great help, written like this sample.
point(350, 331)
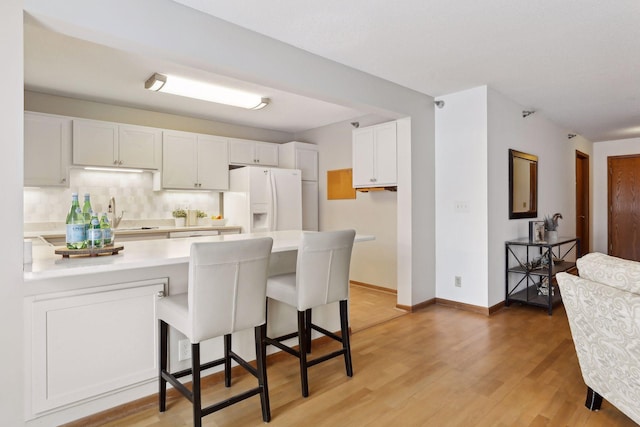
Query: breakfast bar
point(90, 322)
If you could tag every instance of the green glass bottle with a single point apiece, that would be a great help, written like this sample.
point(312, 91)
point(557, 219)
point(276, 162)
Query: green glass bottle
point(76, 236)
point(94, 235)
point(106, 229)
point(87, 212)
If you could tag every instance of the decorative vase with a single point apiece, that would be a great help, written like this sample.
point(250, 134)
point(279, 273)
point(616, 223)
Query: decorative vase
point(551, 236)
point(180, 222)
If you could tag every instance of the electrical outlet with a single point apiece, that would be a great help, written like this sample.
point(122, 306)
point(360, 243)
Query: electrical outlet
point(458, 281)
point(184, 350)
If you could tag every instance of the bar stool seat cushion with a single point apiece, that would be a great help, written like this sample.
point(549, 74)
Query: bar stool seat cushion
point(283, 288)
point(174, 310)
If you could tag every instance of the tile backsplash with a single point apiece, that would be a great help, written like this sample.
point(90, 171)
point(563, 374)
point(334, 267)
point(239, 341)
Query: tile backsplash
point(133, 193)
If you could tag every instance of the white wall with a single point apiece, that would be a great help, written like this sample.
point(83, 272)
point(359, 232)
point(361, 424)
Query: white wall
point(475, 131)
point(556, 177)
point(374, 213)
point(602, 150)
point(11, 107)
point(461, 180)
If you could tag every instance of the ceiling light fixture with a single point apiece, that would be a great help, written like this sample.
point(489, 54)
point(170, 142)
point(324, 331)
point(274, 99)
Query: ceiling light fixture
point(571, 135)
point(527, 113)
point(205, 91)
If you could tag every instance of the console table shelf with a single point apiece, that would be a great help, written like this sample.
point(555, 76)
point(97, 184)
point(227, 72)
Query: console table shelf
point(528, 278)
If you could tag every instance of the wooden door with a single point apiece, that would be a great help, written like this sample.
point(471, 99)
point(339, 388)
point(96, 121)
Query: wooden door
point(624, 207)
point(582, 201)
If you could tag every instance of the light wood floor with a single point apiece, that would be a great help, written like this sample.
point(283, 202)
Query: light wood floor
point(369, 307)
point(435, 367)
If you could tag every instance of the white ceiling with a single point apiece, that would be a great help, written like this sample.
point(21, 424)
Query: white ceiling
point(575, 62)
point(65, 66)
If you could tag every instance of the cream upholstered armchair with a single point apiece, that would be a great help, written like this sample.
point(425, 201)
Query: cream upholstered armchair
point(603, 308)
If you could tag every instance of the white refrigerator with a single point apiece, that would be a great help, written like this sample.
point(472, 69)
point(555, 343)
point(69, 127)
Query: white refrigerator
point(264, 199)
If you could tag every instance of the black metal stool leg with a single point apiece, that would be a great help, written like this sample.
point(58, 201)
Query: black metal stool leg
point(195, 384)
point(346, 341)
point(307, 315)
point(261, 367)
point(302, 340)
point(227, 360)
point(163, 331)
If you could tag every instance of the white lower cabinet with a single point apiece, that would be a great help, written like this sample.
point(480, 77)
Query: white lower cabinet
point(91, 342)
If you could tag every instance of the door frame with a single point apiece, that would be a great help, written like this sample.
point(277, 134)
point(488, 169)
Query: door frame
point(586, 202)
point(609, 198)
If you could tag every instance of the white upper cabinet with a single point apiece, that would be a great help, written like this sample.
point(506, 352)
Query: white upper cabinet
point(106, 144)
point(375, 156)
point(300, 155)
point(248, 152)
point(194, 161)
point(47, 150)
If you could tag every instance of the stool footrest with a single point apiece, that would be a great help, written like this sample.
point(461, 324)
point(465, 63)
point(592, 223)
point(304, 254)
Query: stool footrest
point(327, 333)
point(321, 359)
point(230, 401)
point(276, 342)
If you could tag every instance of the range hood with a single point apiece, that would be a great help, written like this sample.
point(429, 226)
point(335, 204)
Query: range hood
point(368, 189)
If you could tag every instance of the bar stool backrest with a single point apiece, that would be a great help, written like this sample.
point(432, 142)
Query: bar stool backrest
point(227, 286)
point(322, 271)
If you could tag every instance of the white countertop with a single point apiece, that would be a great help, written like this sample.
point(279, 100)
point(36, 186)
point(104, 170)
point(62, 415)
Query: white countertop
point(145, 253)
point(134, 230)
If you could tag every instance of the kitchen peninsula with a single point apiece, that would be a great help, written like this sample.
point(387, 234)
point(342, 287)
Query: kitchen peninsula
point(91, 329)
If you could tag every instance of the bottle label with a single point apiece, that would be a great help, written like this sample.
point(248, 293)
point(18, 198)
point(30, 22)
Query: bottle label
point(94, 236)
point(75, 236)
point(106, 235)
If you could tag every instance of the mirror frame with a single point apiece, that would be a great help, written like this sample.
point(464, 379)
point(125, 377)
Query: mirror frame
point(531, 213)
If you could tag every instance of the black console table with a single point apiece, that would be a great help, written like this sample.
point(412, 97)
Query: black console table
point(530, 272)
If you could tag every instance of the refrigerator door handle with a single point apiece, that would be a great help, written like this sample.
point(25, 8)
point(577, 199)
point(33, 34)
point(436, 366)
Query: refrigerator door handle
point(274, 205)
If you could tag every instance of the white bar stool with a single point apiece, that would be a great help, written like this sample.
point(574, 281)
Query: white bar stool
point(321, 277)
point(226, 294)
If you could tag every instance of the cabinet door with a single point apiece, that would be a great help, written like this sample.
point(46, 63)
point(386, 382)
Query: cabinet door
point(307, 162)
point(92, 342)
point(266, 153)
point(47, 150)
point(363, 157)
point(385, 154)
point(242, 151)
point(95, 143)
point(179, 164)
point(213, 163)
point(139, 147)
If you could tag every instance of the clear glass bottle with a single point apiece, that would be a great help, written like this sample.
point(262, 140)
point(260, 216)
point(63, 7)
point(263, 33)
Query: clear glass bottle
point(76, 236)
point(94, 235)
point(106, 230)
point(87, 212)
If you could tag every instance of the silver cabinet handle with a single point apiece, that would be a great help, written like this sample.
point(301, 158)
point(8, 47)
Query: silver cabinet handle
point(160, 294)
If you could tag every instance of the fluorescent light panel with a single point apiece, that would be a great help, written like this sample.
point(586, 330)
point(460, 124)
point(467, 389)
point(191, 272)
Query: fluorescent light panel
point(205, 91)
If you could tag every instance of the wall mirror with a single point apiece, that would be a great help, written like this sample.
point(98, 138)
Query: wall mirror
point(523, 185)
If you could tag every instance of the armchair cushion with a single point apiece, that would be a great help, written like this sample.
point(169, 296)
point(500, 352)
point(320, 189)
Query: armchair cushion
point(605, 324)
